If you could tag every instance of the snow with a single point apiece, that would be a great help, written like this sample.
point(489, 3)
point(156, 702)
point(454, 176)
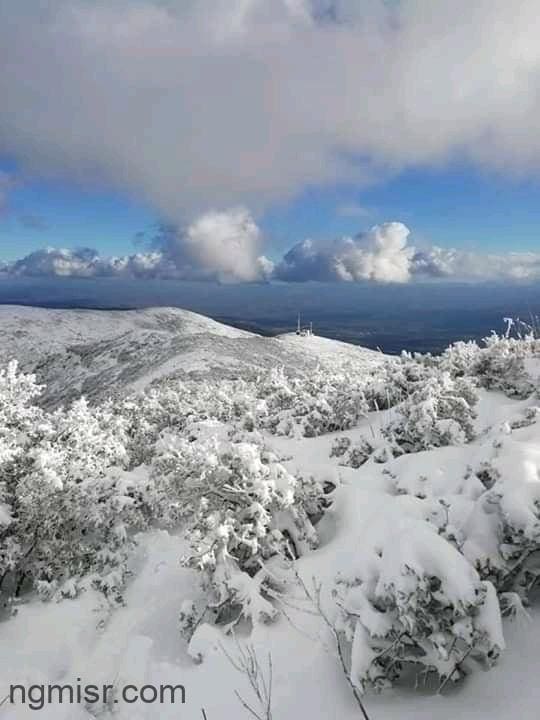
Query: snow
point(387, 527)
point(325, 349)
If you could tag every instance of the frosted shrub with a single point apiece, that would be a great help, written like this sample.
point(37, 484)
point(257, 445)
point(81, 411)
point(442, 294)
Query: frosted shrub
point(501, 366)
point(503, 531)
point(396, 380)
point(327, 401)
point(19, 418)
point(67, 504)
point(352, 454)
point(439, 412)
point(340, 446)
point(417, 603)
point(247, 508)
point(460, 358)
point(72, 536)
point(20, 426)
point(490, 513)
point(146, 415)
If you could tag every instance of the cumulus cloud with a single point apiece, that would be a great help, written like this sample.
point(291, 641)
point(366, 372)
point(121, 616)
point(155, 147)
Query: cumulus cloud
point(452, 264)
point(221, 246)
point(86, 262)
point(191, 104)
point(382, 255)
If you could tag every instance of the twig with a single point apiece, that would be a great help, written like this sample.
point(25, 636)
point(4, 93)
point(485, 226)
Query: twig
point(455, 669)
point(316, 600)
point(248, 664)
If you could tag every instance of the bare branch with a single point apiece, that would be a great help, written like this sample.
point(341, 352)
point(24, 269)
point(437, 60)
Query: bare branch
point(247, 663)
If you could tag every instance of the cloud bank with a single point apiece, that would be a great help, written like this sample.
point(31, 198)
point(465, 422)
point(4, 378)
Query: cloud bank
point(226, 247)
point(190, 104)
point(220, 246)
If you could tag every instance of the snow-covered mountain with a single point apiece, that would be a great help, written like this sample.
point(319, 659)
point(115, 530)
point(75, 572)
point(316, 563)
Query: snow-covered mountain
point(96, 352)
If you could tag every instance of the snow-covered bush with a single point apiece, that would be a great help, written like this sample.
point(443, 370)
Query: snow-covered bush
point(416, 602)
point(499, 365)
point(352, 454)
point(503, 531)
point(340, 446)
point(460, 358)
point(327, 401)
point(440, 411)
point(489, 509)
point(19, 417)
point(396, 380)
point(245, 507)
point(66, 504)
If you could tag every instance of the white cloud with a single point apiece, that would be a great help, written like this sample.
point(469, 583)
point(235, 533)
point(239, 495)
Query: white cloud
point(449, 263)
point(222, 246)
point(381, 255)
point(191, 104)
point(227, 245)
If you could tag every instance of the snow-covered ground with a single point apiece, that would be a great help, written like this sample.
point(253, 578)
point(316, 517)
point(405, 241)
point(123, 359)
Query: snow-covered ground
point(375, 505)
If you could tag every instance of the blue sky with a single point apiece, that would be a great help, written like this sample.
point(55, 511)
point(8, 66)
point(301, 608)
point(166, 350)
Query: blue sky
point(69, 217)
point(456, 207)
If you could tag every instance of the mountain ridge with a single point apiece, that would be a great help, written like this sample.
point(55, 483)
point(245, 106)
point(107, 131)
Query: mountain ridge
point(97, 353)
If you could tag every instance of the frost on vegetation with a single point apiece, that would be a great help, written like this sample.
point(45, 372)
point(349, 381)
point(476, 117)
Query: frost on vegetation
point(499, 364)
point(416, 602)
point(63, 493)
point(439, 412)
point(425, 590)
point(77, 482)
point(489, 511)
point(245, 508)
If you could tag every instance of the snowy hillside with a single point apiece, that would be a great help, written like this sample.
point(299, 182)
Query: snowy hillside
point(359, 540)
point(96, 353)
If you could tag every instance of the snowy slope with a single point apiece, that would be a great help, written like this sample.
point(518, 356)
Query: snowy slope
point(325, 348)
point(139, 644)
point(97, 352)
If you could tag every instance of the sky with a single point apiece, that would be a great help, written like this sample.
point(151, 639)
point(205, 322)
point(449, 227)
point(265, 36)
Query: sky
point(249, 141)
